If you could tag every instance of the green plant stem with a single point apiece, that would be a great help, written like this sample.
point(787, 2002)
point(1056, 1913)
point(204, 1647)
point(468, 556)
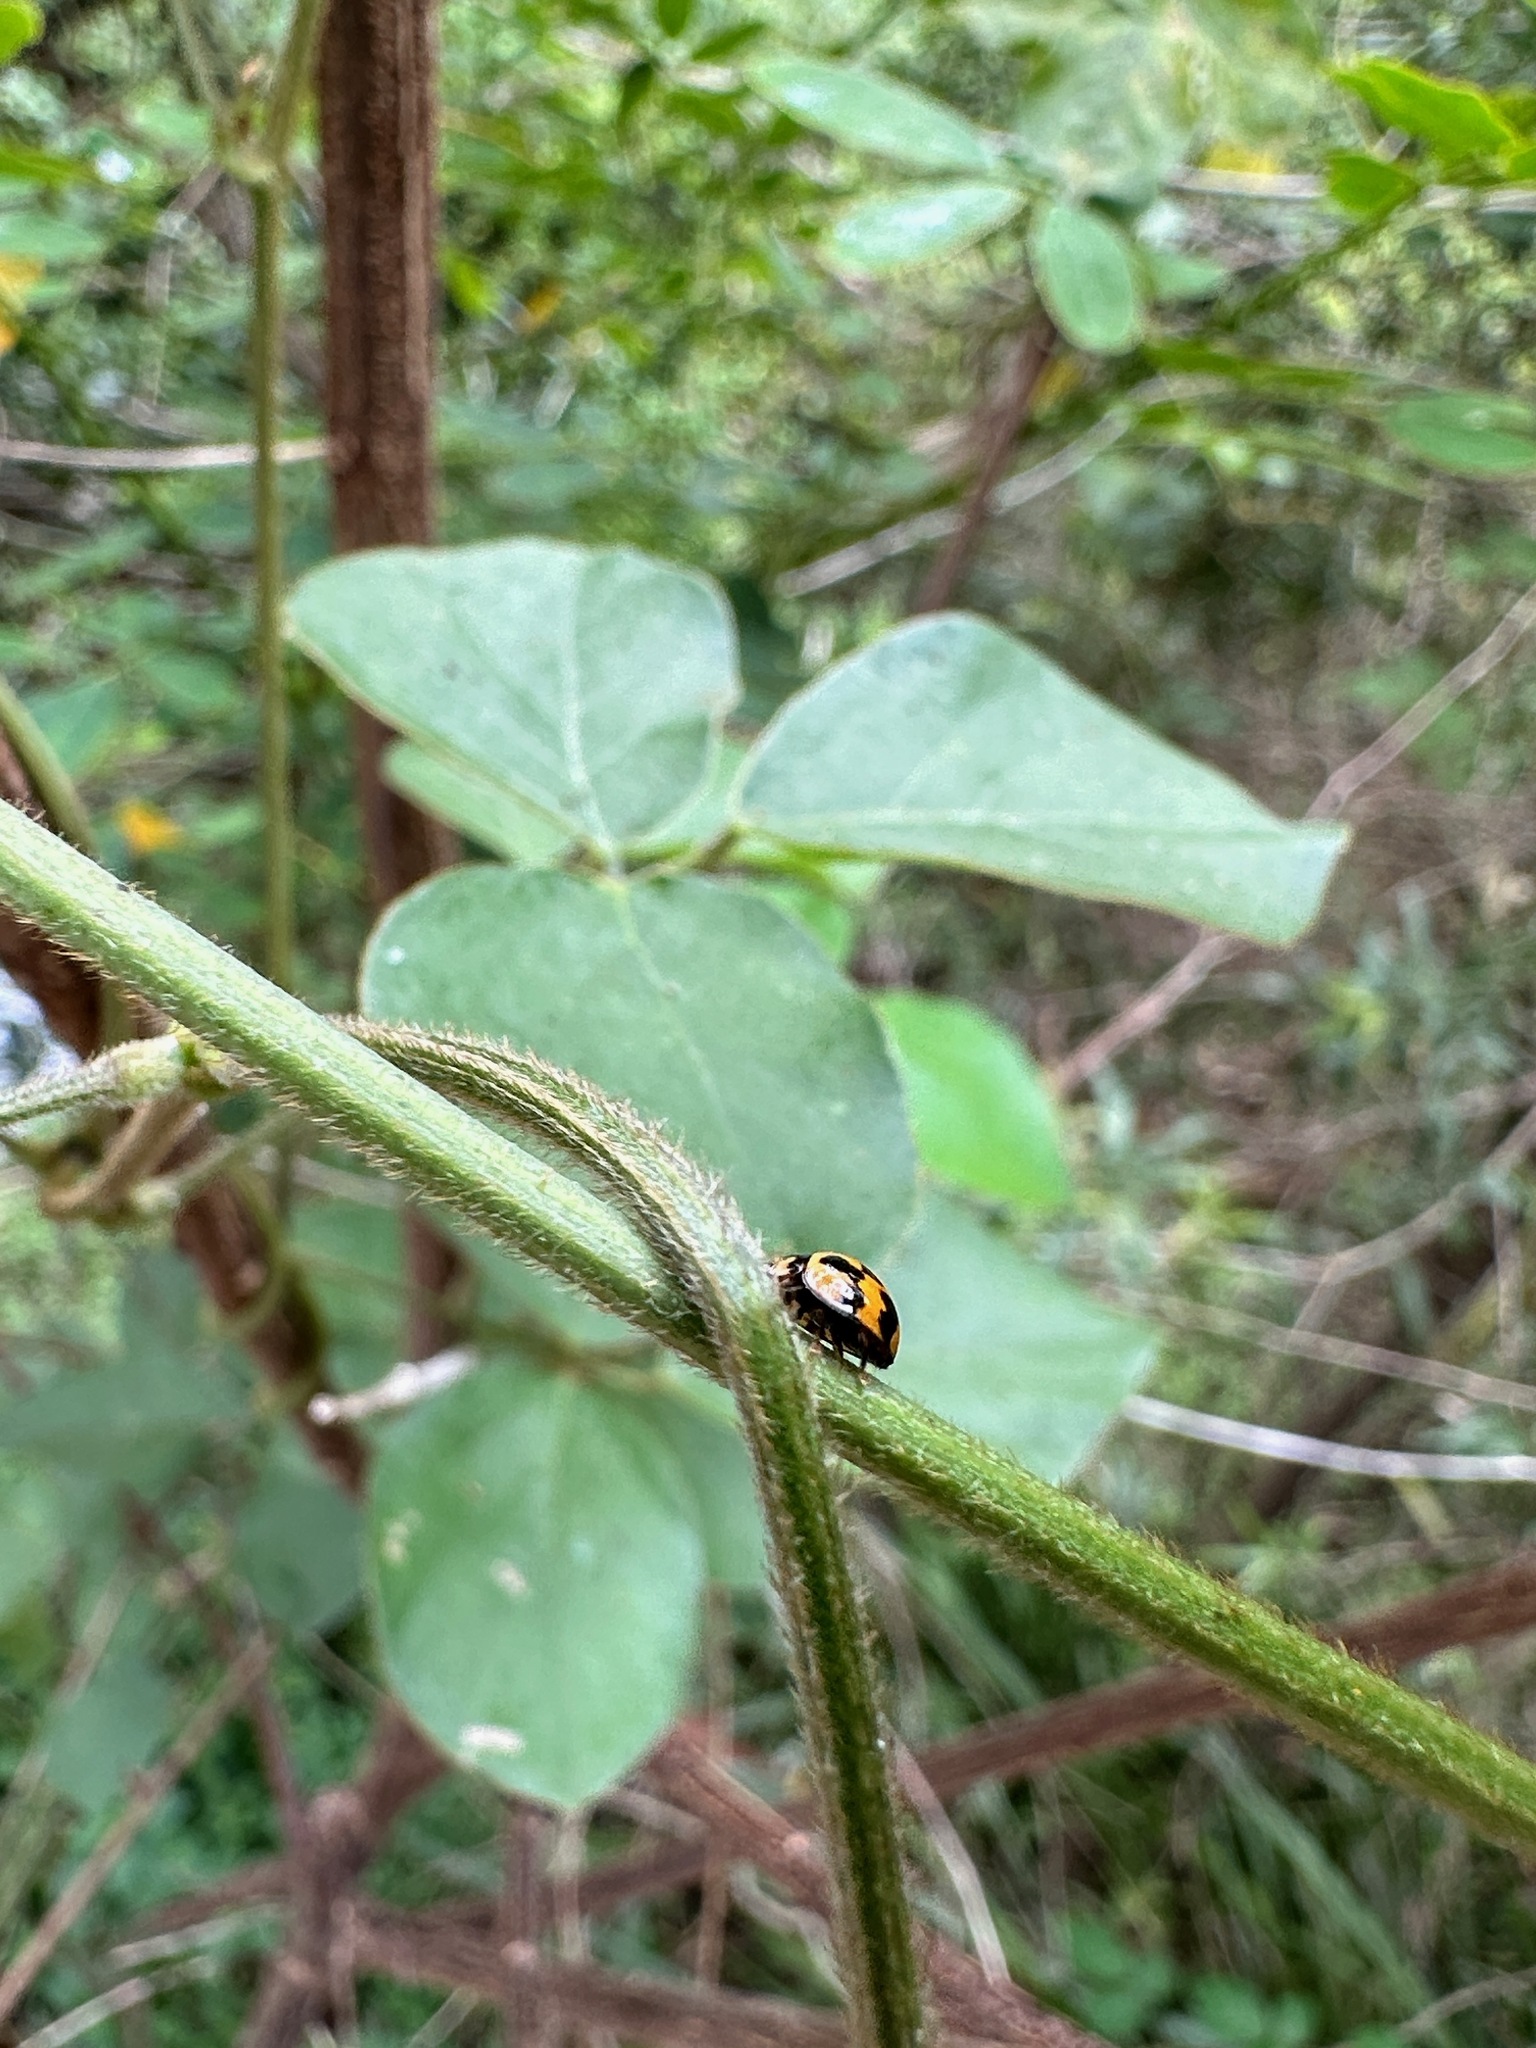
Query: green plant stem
point(292, 76)
point(271, 666)
point(701, 1239)
point(1029, 1526)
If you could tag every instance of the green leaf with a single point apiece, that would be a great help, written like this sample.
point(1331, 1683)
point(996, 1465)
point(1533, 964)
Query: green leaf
point(1456, 120)
point(297, 1542)
point(1005, 1347)
point(696, 1420)
point(133, 1419)
point(981, 1112)
point(590, 682)
point(673, 16)
point(33, 1533)
point(921, 223)
point(1469, 433)
point(20, 23)
point(697, 1001)
point(1174, 278)
point(869, 112)
point(537, 1573)
point(1085, 271)
point(973, 751)
point(45, 238)
point(83, 722)
point(1110, 114)
point(112, 1728)
point(1362, 183)
point(477, 805)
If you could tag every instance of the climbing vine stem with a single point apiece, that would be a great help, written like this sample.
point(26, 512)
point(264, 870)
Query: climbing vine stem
point(550, 1218)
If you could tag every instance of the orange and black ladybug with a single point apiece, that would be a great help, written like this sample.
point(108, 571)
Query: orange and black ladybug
point(841, 1303)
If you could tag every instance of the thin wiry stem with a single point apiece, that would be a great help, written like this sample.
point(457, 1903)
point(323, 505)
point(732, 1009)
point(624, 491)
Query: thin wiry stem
point(271, 664)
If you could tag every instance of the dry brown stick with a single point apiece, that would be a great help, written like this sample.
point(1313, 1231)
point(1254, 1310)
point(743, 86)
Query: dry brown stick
point(345, 1827)
point(1157, 1003)
point(269, 1722)
point(1004, 415)
point(1475, 1608)
point(779, 1844)
point(1334, 1267)
point(676, 2013)
point(147, 1793)
point(1345, 1352)
point(522, 1913)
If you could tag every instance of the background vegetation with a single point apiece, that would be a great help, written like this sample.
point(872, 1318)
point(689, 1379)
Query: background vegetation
point(1194, 348)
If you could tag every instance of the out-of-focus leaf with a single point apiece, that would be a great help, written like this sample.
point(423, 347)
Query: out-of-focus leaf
point(297, 1542)
point(697, 1421)
point(869, 112)
point(20, 23)
point(33, 1532)
point(1362, 183)
point(974, 751)
point(1454, 118)
point(1005, 1347)
point(1109, 118)
point(1086, 274)
point(537, 1569)
point(111, 1729)
point(981, 1112)
point(479, 806)
point(1175, 278)
point(131, 1419)
point(1469, 433)
point(921, 223)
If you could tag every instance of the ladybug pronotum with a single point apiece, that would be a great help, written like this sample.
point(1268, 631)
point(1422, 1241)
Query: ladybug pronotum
point(841, 1304)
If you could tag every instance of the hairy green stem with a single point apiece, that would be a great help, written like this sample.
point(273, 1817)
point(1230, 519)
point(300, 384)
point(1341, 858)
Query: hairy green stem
point(271, 665)
point(701, 1239)
point(1030, 1527)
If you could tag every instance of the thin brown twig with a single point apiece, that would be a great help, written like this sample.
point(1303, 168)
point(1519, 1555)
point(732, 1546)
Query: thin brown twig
point(1153, 1007)
point(150, 1788)
point(1333, 1268)
point(522, 1914)
point(270, 1723)
point(1340, 1351)
point(1005, 414)
point(781, 1845)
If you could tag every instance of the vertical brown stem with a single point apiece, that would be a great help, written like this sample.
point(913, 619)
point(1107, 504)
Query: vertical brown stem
point(999, 429)
point(378, 138)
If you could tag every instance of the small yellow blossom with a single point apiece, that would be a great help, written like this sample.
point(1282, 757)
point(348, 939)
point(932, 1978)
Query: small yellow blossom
point(146, 827)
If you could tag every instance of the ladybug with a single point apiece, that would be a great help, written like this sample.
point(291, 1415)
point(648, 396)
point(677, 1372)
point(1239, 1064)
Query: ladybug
point(841, 1304)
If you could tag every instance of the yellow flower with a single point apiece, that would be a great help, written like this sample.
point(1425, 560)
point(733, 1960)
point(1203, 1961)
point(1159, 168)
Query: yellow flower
point(17, 277)
point(146, 827)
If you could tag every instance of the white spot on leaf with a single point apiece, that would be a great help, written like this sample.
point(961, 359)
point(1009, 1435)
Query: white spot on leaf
point(395, 1543)
point(508, 1577)
point(484, 1738)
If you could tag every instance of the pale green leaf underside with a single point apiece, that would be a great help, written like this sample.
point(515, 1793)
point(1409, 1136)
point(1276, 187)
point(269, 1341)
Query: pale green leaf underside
point(948, 742)
point(590, 682)
point(869, 112)
point(921, 223)
point(697, 1001)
